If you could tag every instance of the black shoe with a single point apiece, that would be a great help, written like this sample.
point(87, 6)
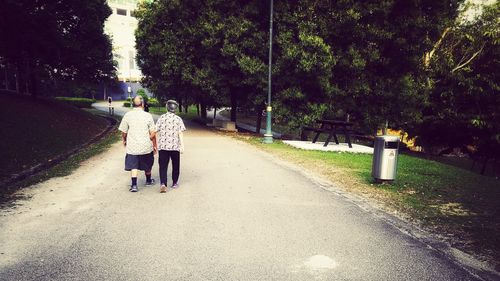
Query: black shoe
point(133, 188)
point(149, 183)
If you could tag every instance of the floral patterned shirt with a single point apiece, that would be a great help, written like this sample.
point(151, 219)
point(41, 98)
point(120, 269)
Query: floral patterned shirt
point(168, 128)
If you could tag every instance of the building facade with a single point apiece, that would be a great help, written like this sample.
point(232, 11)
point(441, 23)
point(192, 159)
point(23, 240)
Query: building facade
point(121, 26)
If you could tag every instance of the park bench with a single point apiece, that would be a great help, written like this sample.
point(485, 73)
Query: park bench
point(332, 128)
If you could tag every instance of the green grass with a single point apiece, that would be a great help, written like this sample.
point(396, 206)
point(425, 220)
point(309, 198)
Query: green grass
point(192, 113)
point(36, 130)
point(442, 197)
point(78, 102)
point(69, 165)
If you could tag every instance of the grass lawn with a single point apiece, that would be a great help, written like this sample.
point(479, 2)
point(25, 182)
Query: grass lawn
point(443, 198)
point(67, 166)
point(492, 168)
point(61, 169)
point(192, 113)
point(35, 130)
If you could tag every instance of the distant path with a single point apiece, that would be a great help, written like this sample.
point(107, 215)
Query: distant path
point(241, 125)
point(238, 215)
point(118, 106)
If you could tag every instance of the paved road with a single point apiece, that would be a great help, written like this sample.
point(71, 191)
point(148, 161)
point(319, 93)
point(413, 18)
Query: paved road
point(238, 215)
point(118, 107)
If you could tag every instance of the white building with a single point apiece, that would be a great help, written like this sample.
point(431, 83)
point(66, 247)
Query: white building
point(121, 26)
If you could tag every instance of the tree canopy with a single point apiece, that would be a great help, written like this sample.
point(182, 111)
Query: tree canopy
point(464, 100)
point(413, 63)
point(359, 58)
point(56, 39)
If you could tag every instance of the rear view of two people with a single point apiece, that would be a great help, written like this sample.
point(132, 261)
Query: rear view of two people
point(142, 139)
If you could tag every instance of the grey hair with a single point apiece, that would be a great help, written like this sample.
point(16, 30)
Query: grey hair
point(172, 106)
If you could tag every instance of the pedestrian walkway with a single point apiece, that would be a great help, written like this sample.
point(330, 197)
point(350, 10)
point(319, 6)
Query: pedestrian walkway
point(332, 146)
point(239, 214)
point(239, 125)
point(119, 109)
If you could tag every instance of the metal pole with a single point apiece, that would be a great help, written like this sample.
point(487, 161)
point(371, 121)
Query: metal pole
point(268, 136)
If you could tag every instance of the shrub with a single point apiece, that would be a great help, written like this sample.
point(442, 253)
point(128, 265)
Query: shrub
point(126, 104)
point(78, 102)
point(153, 102)
point(142, 93)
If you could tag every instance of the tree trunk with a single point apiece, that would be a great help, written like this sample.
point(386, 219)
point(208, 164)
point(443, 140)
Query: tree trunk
point(215, 112)
point(203, 109)
point(186, 107)
point(259, 120)
point(6, 76)
point(485, 164)
point(32, 80)
point(234, 106)
point(27, 76)
point(18, 78)
point(198, 109)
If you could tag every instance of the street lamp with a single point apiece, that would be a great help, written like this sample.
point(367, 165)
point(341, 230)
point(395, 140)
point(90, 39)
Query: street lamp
point(268, 136)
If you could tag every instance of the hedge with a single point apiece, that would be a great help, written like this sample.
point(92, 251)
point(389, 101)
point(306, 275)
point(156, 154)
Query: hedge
point(155, 103)
point(78, 102)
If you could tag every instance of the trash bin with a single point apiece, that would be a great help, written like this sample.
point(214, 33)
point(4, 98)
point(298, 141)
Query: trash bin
point(385, 158)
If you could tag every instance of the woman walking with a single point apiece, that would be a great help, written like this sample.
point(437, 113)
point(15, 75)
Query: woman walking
point(170, 141)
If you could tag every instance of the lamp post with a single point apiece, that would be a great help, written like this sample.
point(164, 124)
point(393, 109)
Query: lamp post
point(268, 136)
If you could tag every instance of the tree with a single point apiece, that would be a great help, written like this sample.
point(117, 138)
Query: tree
point(361, 58)
point(209, 50)
point(330, 58)
point(464, 100)
point(59, 39)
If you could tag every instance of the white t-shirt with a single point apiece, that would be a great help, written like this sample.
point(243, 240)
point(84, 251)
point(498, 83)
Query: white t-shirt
point(138, 124)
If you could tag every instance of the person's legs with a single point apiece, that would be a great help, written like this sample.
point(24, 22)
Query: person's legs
point(148, 177)
point(146, 162)
point(176, 159)
point(133, 174)
point(163, 160)
point(132, 165)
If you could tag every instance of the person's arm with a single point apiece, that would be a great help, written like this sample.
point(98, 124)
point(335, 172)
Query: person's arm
point(152, 132)
point(181, 141)
point(152, 136)
point(124, 138)
point(124, 129)
point(181, 134)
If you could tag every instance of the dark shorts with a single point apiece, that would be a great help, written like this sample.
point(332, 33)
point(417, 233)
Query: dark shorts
point(142, 162)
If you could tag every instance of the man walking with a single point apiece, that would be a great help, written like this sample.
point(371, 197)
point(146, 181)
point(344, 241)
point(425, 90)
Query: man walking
point(139, 138)
point(169, 128)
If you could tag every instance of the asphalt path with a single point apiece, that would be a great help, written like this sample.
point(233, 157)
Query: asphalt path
point(238, 215)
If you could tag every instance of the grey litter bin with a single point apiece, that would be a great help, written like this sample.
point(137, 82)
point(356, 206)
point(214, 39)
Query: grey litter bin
point(385, 158)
